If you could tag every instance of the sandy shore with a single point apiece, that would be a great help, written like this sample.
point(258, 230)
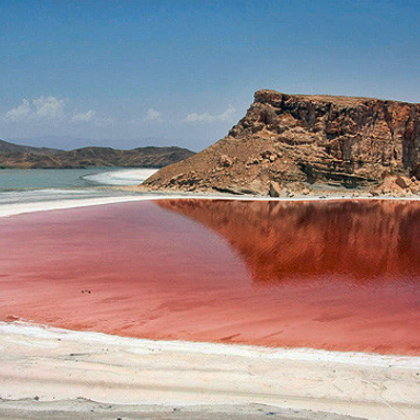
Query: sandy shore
point(42, 364)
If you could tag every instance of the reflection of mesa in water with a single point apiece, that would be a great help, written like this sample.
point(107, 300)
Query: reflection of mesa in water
point(154, 273)
point(363, 240)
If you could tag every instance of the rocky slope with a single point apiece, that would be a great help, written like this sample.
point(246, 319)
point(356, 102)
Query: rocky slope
point(16, 156)
point(295, 142)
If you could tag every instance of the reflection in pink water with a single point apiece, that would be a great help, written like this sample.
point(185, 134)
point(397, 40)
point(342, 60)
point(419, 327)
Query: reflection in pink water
point(336, 275)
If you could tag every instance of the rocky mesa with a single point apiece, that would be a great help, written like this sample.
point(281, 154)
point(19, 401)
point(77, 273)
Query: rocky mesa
point(299, 142)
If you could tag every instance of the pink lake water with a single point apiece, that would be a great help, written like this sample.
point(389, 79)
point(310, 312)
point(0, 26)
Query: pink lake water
point(338, 275)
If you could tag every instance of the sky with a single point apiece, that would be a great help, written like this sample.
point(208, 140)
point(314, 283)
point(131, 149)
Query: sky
point(172, 72)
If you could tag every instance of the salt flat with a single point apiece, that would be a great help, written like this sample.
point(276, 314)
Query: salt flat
point(44, 364)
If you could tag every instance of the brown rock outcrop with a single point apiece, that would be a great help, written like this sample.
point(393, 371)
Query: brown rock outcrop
point(304, 139)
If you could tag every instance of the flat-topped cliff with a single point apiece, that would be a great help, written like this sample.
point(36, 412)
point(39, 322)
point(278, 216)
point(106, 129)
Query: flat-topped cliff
point(295, 141)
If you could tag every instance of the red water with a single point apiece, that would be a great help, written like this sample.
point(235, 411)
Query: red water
point(332, 275)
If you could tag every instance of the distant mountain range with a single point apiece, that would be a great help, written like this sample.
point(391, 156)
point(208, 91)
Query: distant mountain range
point(28, 157)
point(6, 147)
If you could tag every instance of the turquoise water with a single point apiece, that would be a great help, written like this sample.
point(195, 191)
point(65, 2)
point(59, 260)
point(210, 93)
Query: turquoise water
point(35, 179)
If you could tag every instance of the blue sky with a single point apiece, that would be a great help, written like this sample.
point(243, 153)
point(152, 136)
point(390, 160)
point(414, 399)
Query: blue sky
point(132, 73)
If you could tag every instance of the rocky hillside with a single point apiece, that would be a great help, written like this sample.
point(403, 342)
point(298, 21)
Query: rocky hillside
point(16, 156)
point(298, 141)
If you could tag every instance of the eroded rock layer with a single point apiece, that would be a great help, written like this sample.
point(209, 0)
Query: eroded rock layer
point(301, 140)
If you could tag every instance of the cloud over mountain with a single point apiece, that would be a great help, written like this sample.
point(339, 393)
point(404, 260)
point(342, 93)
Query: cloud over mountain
point(206, 117)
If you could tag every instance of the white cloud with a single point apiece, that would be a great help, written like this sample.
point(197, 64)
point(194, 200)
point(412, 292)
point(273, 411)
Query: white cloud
point(228, 115)
point(84, 116)
point(208, 118)
point(42, 108)
point(48, 107)
point(153, 115)
point(102, 121)
point(51, 109)
point(20, 112)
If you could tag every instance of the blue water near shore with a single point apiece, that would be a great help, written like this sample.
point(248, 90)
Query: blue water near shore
point(35, 185)
point(36, 179)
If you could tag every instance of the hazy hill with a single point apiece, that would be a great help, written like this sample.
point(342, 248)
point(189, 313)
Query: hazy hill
point(27, 157)
point(6, 147)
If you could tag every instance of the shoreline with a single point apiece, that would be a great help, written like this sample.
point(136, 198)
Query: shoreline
point(41, 331)
point(45, 364)
point(8, 210)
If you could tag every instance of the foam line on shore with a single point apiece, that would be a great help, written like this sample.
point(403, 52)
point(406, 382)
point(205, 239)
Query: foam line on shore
point(8, 210)
point(121, 177)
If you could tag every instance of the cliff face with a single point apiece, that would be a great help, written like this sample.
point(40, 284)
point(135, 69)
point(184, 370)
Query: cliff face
point(299, 139)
